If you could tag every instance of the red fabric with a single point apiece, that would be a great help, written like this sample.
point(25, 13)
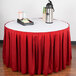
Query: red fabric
point(37, 53)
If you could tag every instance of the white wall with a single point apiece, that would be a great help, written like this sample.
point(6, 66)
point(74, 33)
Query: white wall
point(64, 10)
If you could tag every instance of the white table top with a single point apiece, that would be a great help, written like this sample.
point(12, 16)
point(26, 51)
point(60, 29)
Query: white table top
point(39, 26)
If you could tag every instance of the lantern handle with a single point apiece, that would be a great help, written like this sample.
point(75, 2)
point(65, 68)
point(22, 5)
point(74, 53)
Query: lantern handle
point(50, 2)
point(52, 5)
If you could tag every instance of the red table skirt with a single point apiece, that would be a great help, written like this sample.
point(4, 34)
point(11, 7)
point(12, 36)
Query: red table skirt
point(37, 53)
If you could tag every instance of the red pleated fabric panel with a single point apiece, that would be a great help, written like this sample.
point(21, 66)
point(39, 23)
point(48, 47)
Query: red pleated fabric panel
point(14, 52)
point(60, 50)
point(34, 53)
point(69, 53)
point(23, 53)
point(64, 51)
point(51, 53)
point(7, 48)
point(41, 40)
point(56, 53)
point(37, 53)
point(18, 51)
point(30, 54)
point(46, 54)
point(4, 47)
point(10, 43)
point(40, 54)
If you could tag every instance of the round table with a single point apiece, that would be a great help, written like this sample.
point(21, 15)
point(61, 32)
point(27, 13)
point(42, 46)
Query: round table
point(37, 49)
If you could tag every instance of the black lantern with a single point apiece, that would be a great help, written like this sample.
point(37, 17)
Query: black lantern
point(49, 12)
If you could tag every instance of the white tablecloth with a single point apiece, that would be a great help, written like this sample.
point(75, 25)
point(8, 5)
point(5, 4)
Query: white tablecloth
point(39, 26)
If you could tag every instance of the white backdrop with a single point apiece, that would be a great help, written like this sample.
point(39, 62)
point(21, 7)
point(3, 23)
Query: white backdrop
point(64, 10)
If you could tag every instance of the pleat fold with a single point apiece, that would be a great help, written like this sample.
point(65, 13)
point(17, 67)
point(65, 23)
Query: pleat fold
point(18, 51)
point(14, 52)
point(40, 54)
point(69, 52)
point(4, 46)
point(60, 50)
point(7, 48)
point(56, 53)
point(64, 51)
point(23, 53)
point(51, 53)
point(30, 54)
point(46, 54)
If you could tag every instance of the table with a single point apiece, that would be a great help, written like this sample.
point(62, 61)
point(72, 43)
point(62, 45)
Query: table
point(37, 49)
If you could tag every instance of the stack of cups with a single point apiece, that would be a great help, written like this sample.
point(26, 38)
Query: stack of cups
point(21, 15)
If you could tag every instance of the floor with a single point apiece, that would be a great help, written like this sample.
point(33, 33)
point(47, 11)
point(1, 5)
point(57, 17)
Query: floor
point(69, 71)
